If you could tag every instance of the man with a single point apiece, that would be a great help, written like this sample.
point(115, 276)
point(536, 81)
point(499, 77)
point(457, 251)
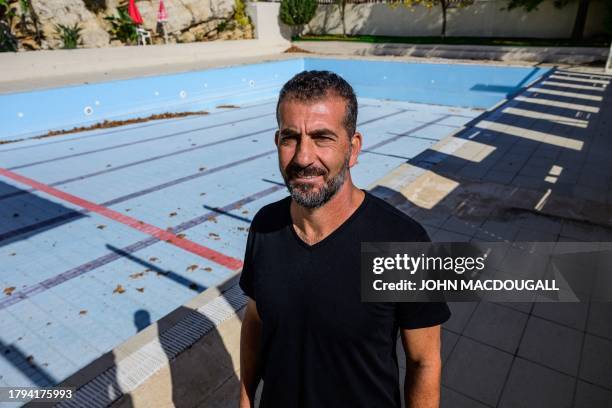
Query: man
point(305, 331)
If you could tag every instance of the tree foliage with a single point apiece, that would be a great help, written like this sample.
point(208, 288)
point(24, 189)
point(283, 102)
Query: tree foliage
point(240, 15)
point(297, 13)
point(8, 41)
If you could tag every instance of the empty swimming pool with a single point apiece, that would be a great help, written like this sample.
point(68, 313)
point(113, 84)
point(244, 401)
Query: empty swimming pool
point(108, 230)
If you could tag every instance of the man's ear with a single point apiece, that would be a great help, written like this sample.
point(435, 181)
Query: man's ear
point(356, 142)
point(276, 134)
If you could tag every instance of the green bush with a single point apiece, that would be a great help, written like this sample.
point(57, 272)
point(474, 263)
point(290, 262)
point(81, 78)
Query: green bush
point(297, 13)
point(122, 27)
point(8, 41)
point(222, 26)
point(240, 15)
point(70, 35)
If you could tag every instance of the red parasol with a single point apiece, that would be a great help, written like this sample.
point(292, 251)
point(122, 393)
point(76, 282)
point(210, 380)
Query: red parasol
point(134, 13)
point(162, 15)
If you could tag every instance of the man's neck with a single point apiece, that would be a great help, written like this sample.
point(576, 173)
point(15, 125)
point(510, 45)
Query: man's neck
point(314, 225)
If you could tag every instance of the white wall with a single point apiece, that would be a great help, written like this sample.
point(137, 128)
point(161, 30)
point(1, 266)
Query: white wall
point(268, 27)
point(485, 18)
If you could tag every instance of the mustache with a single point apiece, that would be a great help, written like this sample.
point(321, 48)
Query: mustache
point(293, 171)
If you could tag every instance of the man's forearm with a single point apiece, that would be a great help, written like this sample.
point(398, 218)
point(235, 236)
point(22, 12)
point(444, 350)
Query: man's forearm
point(249, 361)
point(422, 386)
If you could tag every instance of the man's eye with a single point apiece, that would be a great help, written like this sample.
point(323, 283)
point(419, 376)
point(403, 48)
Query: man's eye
point(287, 139)
point(324, 138)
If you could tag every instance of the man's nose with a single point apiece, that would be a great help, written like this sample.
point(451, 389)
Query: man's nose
point(304, 152)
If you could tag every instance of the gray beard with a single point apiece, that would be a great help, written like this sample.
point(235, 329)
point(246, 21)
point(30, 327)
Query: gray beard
point(306, 196)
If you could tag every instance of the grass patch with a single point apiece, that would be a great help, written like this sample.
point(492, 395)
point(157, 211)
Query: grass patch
point(498, 41)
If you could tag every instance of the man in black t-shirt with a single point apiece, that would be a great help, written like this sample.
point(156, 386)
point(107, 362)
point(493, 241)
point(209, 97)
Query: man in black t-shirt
point(305, 331)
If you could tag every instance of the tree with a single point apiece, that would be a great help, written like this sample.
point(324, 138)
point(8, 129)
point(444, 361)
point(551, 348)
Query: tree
point(581, 13)
point(444, 5)
point(342, 8)
point(297, 13)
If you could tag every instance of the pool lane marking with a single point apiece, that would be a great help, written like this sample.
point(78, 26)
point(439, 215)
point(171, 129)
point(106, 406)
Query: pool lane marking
point(64, 217)
point(163, 235)
point(127, 165)
point(136, 142)
point(406, 133)
point(143, 161)
point(127, 144)
point(72, 273)
point(88, 134)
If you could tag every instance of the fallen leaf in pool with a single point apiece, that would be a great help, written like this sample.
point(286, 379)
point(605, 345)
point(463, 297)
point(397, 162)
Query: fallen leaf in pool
point(137, 275)
point(119, 289)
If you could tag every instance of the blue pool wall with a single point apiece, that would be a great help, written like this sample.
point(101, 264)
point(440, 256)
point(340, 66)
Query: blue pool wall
point(29, 114)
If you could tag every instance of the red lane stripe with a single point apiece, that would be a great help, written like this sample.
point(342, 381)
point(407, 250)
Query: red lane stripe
point(163, 235)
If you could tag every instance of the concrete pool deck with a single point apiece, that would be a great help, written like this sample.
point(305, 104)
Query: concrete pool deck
point(489, 180)
point(21, 72)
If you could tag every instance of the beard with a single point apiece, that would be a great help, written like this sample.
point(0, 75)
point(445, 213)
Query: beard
point(305, 194)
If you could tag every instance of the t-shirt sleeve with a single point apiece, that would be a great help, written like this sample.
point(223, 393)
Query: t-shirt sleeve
point(417, 315)
point(246, 276)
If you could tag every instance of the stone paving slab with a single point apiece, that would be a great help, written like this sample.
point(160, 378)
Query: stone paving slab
point(536, 168)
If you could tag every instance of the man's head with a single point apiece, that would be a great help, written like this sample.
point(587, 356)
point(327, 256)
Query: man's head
point(317, 139)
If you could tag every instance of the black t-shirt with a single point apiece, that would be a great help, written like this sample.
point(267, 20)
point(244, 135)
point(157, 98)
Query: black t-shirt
point(321, 346)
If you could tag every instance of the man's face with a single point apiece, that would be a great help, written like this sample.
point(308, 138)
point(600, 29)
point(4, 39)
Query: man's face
point(314, 149)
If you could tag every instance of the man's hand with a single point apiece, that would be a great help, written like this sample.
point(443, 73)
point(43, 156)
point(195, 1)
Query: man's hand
point(423, 367)
point(249, 355)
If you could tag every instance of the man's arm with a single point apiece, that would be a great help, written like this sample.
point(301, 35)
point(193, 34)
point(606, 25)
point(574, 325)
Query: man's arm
point(249, 355)
point(423, 367)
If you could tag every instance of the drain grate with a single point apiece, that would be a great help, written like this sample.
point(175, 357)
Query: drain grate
point(132, 371)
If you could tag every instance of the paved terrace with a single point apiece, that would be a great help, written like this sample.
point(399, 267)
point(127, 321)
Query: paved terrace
point(537, 168)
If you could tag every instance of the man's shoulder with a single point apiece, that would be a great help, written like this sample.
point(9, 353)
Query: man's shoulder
point(271, 215)
point(392, 219)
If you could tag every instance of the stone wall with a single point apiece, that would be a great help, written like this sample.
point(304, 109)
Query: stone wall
point(188, 21)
